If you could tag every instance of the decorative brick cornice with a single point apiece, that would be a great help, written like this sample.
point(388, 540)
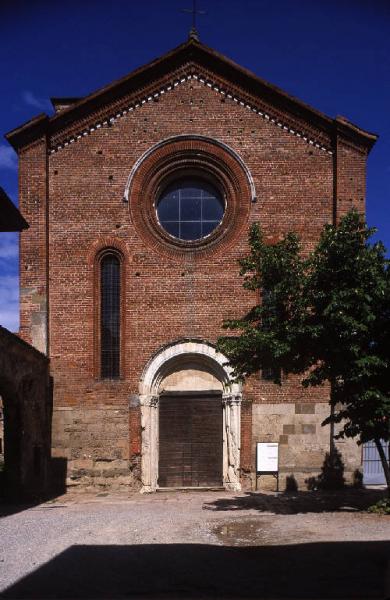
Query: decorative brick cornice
point(347, 143)
point(191, 60)
point(307, 134)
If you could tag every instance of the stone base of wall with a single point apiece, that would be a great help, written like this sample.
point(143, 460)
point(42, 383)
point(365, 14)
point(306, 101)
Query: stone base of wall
point(303, 444)
point(108, 473)
point(287, 481)
point(95, 444)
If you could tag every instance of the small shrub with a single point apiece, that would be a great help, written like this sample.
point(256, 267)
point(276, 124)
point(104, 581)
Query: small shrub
point(357, 479)
point(331, 476)
point(291, 484)
point(381, 508)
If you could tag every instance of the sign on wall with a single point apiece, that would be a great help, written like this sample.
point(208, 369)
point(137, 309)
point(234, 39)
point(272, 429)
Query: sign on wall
point(267, 457)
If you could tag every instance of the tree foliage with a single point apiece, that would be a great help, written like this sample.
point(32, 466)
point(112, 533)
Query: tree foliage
point(326, 316)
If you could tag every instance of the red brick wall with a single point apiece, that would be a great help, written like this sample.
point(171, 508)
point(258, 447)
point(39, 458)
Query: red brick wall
point(166, 298)
point(350, 178)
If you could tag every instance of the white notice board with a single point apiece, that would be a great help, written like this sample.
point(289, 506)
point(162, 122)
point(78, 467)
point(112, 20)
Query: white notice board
point(267, 457)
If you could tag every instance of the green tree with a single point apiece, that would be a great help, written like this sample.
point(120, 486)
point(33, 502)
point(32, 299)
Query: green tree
point(326, 316)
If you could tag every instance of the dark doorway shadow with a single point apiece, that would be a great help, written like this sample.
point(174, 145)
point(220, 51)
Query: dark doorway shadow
point(293, 502)
point(323, 570)
point(11, 504)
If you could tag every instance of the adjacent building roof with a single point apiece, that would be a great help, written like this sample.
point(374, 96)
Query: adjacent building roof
point(192, 55)
point(10, 217)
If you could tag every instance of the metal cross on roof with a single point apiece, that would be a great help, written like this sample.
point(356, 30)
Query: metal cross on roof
point(193, 11)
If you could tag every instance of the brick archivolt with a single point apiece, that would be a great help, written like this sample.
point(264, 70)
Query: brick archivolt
point(195, 138)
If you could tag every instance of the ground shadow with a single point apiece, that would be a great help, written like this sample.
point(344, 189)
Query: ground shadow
point(14, 503)
point(291, 503)
point(322, 570)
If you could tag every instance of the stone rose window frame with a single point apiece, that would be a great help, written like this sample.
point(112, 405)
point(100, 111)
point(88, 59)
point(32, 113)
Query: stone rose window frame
point(181, 157)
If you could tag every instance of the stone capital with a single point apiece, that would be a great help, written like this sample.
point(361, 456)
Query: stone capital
point(229, 399)
point(149, 400)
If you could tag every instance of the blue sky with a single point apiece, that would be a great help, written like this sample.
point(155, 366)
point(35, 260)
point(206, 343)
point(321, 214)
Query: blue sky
point(333, 54)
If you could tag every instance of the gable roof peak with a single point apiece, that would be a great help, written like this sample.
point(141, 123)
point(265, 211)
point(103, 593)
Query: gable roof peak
point(188, 56)
point(193, 35)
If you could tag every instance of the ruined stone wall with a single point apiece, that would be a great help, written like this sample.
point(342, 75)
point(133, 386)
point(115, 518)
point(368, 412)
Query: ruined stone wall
point(25, 388)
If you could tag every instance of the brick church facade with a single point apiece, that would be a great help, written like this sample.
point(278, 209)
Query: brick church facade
point(139, 199)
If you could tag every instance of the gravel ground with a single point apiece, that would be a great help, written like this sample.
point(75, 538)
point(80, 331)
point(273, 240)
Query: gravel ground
point(195, 545)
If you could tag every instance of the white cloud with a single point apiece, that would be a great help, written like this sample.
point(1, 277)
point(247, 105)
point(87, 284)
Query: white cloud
point(9, 247)
point(8, 158)
point(9, 302)
point(32, 100)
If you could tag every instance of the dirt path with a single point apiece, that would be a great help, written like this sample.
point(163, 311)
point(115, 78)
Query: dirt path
point(195, 545)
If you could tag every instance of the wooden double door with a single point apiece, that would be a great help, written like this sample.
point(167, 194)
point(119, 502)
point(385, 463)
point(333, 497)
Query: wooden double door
point(191, 446)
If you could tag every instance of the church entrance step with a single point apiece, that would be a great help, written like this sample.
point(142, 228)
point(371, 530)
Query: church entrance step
point(191, 489)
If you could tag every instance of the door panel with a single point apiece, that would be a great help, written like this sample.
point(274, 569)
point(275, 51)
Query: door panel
point(190, 441)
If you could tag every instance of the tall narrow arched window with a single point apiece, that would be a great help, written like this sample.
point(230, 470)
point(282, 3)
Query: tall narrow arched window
point(110, 292)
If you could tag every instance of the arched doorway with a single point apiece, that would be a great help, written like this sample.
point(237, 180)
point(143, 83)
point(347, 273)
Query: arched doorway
point(190, 417)
point(12, 438)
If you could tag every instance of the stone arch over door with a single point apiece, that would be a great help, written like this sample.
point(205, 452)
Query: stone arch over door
point(189, 364)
